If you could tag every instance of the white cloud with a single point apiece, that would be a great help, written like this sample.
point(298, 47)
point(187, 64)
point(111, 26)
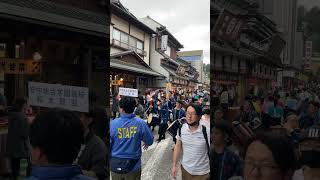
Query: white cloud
point(187, 20)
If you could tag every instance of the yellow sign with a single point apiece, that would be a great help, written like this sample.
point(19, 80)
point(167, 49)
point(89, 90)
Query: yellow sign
point(13, 66)
point(116, 82)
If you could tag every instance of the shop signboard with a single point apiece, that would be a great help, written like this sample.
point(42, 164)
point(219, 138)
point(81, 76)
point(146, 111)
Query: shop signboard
point(228, 27)
point(128, 92)
point(116, 82)
point(21, 66)
point(72, 98)
point(164, 42)
point(308, 55)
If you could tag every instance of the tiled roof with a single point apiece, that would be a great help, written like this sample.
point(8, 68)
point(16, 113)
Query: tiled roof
point(63, 10)
point(118, 64)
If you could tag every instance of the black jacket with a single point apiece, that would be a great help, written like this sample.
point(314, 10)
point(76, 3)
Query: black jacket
point(94, 156)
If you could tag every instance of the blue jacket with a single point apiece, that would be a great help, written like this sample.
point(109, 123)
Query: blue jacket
point(126, 134)
point(181, 114)
point(164, 113)
point(67, 172)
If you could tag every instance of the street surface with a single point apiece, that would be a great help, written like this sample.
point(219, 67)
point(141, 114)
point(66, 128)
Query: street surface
point(157, 160)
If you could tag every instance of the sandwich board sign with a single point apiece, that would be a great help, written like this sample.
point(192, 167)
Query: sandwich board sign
point(128, 92)
point(72, 98)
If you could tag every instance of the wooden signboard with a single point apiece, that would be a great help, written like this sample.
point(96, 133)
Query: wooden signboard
point(13, 66)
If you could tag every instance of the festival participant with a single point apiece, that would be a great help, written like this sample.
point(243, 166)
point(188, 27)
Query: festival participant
point(178, 113)
point(126, 134)
point(310, 156)
point(164, 118)
point(310, 118)
point(291, 124)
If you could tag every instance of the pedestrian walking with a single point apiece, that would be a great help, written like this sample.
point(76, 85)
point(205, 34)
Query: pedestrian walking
point(126, 134)
point(93, 156)
point(193, 142)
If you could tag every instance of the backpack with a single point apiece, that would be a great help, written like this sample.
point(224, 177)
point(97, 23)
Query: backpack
point(205, 135)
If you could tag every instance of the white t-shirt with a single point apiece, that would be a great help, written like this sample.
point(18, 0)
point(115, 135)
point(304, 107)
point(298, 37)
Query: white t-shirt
point(195, 158)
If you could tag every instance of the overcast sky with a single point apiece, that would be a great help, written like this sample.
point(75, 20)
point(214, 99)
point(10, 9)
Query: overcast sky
point(187, 20)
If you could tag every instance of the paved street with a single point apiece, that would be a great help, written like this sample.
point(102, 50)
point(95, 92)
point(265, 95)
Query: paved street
point(157, 160)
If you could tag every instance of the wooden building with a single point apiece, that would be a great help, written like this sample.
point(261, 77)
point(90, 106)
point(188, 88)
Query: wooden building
point(65, 40)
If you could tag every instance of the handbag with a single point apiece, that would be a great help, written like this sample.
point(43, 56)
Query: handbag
point(122, 165)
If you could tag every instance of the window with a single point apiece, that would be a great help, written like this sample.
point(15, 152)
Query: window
point(140, 45)
point(133, 42)
point(126, 41)
point(124, 38)
point(116, 34)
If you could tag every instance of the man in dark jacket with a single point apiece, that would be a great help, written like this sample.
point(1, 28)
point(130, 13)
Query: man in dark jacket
point(92, 159)
point(56, 136)
point(18, 144)
point(115, 105)
point(101, 120)
point(164, 118)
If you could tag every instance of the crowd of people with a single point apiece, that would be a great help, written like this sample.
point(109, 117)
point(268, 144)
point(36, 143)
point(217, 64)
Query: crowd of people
point(183, 115)
point(271, 136)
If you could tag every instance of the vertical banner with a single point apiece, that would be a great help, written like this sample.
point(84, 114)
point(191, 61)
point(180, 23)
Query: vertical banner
point(164, 42)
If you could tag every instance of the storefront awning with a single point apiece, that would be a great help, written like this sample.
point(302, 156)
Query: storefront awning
point(55, 14)
point(117, 64)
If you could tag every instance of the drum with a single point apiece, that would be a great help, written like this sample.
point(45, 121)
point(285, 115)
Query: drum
point(173, 128)
point(153, 119)
point(241, 132)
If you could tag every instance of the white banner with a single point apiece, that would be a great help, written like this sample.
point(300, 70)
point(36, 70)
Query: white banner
point(164, 42)
point(128, 92)
point(59, 96)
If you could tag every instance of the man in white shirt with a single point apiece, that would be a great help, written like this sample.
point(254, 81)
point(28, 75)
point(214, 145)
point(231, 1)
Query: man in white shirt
point(193, 141)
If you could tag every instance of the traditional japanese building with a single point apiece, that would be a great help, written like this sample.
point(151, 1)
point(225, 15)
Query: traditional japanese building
point(130, 51)
point(56, 41)
point(248, 56)
point(179, 73)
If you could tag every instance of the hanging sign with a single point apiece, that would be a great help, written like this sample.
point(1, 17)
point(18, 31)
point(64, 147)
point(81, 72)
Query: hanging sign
point(72, 98)
point(128, 92)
